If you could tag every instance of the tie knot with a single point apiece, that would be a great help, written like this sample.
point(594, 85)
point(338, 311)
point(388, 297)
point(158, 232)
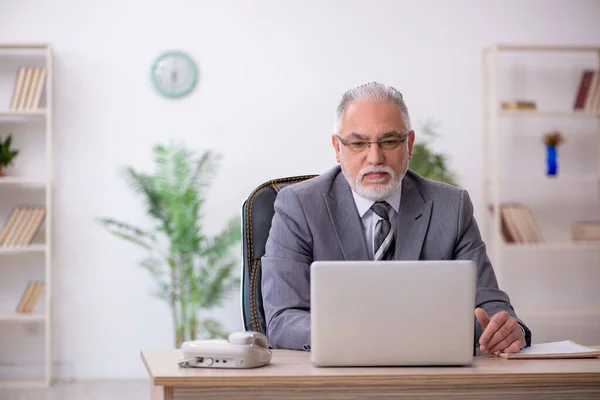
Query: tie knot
point(381, 208)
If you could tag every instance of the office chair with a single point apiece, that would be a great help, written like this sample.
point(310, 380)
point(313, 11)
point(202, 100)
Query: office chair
point(257, 214)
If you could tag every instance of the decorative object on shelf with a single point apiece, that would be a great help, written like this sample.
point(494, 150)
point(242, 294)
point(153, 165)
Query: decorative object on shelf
point(586, 231)
point(427, 162)
point(7, 155)
point(194, 272)
point(552, 140)
point(519, 105)
point(174, 74)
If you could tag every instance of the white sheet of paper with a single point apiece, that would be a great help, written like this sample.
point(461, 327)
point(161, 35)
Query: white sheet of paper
point(564, 347)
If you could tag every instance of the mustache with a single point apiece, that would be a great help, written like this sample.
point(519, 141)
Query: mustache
point(380, 168)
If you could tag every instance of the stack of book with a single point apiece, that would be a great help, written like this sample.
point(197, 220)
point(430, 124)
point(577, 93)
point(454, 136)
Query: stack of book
point(21, 227)
point(28, 89)
point(586, 230)
point(518, 224)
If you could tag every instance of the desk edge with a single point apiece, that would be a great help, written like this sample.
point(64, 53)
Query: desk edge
point(377, 380)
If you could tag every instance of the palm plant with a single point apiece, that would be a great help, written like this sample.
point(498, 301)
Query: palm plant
point(7, 155)
point(427, 162)
point(194, 272)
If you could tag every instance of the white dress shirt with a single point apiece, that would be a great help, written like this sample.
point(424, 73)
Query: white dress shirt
point(369, 218)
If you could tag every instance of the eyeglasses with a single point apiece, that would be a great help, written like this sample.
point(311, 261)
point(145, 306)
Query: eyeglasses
point(357, 146)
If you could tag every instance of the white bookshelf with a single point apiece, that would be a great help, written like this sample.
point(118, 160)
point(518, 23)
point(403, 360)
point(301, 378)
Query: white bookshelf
point(28, 182)
point(531, 72)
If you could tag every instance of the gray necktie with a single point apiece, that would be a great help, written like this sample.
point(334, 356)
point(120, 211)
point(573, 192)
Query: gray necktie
point(383, 248)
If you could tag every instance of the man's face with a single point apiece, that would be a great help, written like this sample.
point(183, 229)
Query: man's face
point(373, 171)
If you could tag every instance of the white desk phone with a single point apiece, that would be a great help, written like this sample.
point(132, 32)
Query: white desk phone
point(240, 350)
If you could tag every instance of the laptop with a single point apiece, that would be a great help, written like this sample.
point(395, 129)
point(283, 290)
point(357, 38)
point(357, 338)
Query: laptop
point(392, 313)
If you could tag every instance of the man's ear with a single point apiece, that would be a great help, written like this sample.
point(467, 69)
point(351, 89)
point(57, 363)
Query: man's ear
point(411, 141)
point(336, 145)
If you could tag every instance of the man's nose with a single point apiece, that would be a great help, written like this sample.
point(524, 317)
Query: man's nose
point(375, 154)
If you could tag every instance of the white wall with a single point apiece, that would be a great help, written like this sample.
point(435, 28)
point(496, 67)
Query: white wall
point(271, 73)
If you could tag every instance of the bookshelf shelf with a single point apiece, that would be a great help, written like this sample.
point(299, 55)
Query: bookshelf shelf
point(22, 181)
point(23, 384)
point(7, 114)
point(563, 311)
point(27, 114)
point(16, 317)
point(548, 48)
point(542, 113)
point(563, 82)
point(554, 246)
point(34, 248)
point(548, 180)
point(24, 46)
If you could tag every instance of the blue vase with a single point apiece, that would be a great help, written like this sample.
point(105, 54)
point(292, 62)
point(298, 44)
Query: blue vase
point(551, 161)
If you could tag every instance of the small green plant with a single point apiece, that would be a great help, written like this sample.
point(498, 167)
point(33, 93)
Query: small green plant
point(7, 155)
point(428, 163)
point(193, 271)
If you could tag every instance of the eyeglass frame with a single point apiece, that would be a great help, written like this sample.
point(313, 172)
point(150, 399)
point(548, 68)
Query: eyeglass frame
point(378, 142)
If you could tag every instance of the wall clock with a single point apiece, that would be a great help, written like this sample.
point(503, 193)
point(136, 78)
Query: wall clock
point(174, 74)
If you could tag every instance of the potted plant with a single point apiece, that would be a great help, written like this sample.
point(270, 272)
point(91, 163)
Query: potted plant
point(193, 271)
point(7, 155)
point(427, 162)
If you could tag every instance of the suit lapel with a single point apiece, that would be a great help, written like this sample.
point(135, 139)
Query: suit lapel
point(345, 220)
point(412, 222)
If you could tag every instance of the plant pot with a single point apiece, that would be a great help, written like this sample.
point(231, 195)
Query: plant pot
point(551, 160)
point(1, 171)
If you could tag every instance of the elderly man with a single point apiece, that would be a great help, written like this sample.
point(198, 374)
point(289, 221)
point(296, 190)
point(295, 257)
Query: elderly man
point(372, 207)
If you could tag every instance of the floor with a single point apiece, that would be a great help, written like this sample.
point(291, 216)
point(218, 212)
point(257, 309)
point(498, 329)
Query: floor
point(113, 390)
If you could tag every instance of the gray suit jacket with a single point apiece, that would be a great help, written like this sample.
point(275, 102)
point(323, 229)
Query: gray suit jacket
point(317, 220)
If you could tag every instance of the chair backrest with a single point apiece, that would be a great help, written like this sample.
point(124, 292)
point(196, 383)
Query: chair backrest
point(257, 215)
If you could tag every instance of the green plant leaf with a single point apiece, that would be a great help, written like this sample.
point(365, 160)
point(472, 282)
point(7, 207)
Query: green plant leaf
point(426, 162)
point(7, 155)
point(129, 232)
point(192, 270)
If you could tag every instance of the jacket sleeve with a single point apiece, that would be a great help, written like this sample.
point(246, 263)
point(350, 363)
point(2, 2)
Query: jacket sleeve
point(285, 276)
point(470, 246)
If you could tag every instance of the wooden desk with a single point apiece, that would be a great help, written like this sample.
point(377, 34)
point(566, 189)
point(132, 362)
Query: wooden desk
point(291, 376)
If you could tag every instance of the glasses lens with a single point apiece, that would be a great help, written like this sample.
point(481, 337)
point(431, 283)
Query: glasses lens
point(390, 144)
point(357, 146)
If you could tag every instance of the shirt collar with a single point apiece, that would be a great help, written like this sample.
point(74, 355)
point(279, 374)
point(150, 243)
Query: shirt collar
point(363, 205)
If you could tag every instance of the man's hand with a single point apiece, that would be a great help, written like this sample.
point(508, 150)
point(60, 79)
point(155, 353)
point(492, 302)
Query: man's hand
point(500, 333)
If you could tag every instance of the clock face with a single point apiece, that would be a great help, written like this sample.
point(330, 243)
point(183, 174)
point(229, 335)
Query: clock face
point(174, 74)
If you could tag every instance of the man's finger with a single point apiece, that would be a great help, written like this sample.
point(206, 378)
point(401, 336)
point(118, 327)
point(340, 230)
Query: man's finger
point(515, 347)
point(504, 331)
point(504, 344)
point(492, 326)
point(482, 317)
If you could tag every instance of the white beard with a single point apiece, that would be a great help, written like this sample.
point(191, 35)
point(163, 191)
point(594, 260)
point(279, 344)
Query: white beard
point(375, 193)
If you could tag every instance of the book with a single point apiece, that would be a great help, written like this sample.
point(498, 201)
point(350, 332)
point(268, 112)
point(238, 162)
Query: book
point(31, 296)
point(585, 85)
point(519, 105)
point(564, 349)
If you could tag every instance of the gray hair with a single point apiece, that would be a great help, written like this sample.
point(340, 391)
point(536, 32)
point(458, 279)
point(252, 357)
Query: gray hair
point(372, 91)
